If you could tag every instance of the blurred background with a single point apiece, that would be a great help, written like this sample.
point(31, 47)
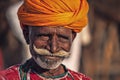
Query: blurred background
point(99, 42)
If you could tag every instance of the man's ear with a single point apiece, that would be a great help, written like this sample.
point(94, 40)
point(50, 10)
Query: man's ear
point(26, 33)
point(73, 35)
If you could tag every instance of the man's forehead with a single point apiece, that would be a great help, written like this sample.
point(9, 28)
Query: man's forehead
point(47, 30)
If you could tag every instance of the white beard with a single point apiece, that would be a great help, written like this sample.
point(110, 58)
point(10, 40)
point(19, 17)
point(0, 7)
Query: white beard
point(47, 63)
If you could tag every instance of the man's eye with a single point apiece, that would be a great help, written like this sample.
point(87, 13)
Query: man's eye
point(62, 39)
point(43, 37)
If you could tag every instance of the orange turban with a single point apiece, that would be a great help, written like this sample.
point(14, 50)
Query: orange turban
point(71, 14)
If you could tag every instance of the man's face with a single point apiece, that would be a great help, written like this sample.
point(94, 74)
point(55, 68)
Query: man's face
point(50, 45)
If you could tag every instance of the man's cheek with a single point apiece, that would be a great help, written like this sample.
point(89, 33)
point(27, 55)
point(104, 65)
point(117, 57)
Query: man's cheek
point(65, 47)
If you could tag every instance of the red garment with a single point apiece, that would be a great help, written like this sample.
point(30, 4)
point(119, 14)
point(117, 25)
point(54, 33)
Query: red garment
point(14, 73)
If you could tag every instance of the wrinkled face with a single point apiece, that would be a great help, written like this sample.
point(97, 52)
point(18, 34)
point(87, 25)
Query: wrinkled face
point(50, 45)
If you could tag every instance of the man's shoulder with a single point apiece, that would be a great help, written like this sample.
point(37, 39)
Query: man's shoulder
point(78, 75)
point(9, 73)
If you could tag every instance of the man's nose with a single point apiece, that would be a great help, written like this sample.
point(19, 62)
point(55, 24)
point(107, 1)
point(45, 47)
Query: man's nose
point(54, 44)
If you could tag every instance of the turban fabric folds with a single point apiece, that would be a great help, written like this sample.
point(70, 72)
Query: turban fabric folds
point(71, 14)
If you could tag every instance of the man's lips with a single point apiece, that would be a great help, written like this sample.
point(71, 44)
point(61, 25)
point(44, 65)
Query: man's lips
point(49, 57)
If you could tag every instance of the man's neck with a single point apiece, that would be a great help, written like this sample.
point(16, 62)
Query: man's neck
point(54, 72)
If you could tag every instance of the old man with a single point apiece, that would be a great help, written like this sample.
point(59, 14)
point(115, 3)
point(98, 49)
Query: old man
point(49, 27)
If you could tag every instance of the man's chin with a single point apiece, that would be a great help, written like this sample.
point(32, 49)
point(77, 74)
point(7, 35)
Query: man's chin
point(48, 62)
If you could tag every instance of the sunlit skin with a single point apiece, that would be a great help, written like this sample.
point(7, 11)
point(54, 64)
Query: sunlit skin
point(53, 39)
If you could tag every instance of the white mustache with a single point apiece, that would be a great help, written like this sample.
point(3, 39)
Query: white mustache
point(45, 52)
